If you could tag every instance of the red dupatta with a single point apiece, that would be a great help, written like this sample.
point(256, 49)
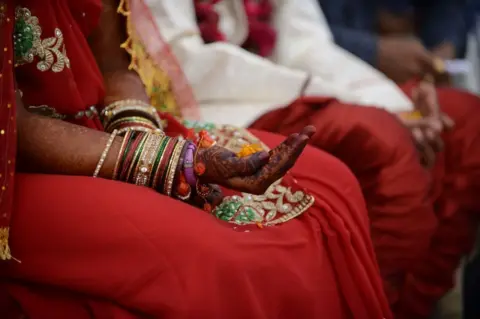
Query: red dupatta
point(8, 136)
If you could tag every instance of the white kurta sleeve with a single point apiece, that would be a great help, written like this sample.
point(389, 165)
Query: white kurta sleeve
point(224, 72)
point(304, 42)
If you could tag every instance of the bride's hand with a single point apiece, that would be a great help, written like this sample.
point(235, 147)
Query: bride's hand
point(255, 173)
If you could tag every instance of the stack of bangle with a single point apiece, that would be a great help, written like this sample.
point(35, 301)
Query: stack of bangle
point(150, 159)
point(160, 162)
point(130, 114)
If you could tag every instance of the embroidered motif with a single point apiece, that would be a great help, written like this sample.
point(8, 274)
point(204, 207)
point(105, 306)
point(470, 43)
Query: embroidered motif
point(28, 44)
point(279, 203)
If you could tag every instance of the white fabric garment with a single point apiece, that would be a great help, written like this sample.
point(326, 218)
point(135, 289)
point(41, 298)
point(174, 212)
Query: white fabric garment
point(236, 87)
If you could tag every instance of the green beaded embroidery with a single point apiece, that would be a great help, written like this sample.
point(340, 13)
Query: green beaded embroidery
point(198, 126)
point(234, 211)
point(28, 44)
point(26, 36)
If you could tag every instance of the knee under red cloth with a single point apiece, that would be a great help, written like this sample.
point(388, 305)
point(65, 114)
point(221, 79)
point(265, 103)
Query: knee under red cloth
point(407, 204)
point(455, 195)
point(159, 257)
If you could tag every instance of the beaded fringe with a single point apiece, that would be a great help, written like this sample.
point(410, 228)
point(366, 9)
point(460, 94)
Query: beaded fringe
point(4, 248)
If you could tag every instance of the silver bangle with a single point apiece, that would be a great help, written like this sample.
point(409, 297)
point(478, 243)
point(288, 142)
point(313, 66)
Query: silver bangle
point(105, 153)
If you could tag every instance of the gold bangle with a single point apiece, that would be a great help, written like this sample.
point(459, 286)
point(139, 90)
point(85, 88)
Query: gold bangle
point(152, 157)
point(118, 107)
point(109, 115)
point(159, 171)
point(141, 159)
point(150, 110)
point(132, 119)
point(145, 164)
point(124, 103)
point(105, 153)
point(172, 167)
point(120, 154)
point(140, 129)
point(140, 147)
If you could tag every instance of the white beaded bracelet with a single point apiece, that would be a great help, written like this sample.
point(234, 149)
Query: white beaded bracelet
point(105, 153)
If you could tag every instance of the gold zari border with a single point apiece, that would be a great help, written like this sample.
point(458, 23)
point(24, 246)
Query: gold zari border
point(4, 248)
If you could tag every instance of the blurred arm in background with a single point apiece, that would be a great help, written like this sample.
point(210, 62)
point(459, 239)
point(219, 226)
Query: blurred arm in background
point(440, 24)
point(385, 34)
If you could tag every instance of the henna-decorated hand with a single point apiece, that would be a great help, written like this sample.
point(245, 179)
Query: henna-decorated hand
point(255, 173)
point(214, 197)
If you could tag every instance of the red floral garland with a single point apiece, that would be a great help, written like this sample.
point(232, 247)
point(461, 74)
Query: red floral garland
point(261, 36)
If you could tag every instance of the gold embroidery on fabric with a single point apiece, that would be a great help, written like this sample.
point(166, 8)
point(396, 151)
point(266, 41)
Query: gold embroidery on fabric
point(157, 82)
point(4, 248)
point(28, 44)
point(279, 203)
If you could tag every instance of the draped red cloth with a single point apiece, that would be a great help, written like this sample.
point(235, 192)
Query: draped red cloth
point(93, 248)
point(8, 136)
point(422, 221)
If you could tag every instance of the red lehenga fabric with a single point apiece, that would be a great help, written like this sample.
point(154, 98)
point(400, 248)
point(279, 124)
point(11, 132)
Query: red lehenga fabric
point(422, 221)
point(92, 248)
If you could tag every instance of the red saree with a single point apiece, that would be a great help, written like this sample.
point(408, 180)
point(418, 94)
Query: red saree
point(422, 222)
point(88, 250)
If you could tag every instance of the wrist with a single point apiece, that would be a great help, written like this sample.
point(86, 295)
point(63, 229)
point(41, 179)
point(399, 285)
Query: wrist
point(150, 160)
point(165, 164)
point(130, 113)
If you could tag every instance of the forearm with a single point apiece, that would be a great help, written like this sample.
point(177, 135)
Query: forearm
point(52, 146)
point(113, 60)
